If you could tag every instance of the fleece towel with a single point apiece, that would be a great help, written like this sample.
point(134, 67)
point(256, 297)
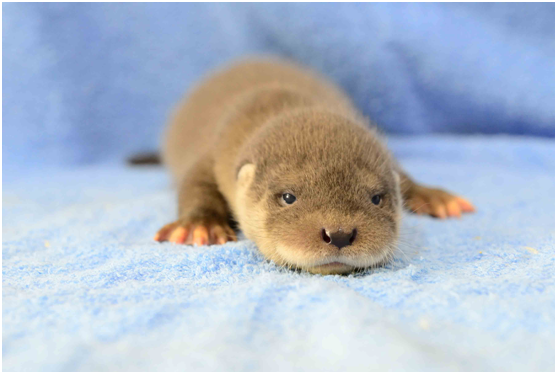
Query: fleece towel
point(86, 288)
point(89, 82)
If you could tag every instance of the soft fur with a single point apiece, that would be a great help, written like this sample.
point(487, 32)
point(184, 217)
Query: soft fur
point(258, 129)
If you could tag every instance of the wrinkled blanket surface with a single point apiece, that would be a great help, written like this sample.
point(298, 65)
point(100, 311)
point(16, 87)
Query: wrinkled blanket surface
point(86, 288)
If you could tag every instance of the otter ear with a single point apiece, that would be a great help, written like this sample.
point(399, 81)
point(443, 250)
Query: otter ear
point(245, 175)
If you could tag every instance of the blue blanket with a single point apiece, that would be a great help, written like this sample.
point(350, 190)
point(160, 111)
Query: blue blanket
point(95, 81)
point(85, 287)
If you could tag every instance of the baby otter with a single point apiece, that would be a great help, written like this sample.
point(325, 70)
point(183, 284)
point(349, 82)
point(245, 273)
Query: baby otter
point(289, 157)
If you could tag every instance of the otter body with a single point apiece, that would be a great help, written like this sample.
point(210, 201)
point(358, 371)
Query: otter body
point(289, 157)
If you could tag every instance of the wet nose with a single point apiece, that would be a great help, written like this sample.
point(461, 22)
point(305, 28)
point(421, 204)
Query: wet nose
point(339, 238)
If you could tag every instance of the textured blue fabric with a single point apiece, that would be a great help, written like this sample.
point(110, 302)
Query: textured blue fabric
point(93, 82)
point(84, 287)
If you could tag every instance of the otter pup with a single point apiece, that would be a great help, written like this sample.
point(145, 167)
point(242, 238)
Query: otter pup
point(288, 156)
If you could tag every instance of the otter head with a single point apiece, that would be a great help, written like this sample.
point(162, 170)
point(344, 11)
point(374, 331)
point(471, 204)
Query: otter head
point(318, 192)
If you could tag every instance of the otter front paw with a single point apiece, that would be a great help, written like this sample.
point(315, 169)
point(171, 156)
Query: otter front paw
point(437, 203)
point(187, 231)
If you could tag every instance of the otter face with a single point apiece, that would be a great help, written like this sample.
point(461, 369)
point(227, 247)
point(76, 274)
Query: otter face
point(329, 219)
point(321, 193)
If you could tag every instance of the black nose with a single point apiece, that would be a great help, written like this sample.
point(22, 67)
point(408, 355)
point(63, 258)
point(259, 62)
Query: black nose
point(339, 238)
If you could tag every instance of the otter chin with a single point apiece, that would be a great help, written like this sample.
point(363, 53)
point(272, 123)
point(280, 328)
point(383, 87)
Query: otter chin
point(332, 268)
point(290, 158)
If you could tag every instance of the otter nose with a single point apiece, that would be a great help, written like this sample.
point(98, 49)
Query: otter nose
point(339, 238)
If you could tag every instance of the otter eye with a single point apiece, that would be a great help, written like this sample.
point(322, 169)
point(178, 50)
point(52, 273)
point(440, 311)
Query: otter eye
point(376, 199)
point(288, 198)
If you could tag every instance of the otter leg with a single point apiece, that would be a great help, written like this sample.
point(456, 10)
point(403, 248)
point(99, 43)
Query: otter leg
point(436, 202)
point(202, 210)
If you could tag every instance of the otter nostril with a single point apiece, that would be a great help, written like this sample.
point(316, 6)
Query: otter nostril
point(325, 236)
point(340, 238)
point(353, 237)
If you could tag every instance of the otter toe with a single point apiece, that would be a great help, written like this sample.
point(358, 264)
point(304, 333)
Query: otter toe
point(221, 235)
point(200, 235)
point(179, 235)
point(437, 208)
point(166, 232)
point(453, 209)
point(465, 205)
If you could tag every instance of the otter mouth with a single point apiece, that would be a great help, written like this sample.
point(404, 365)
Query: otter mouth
point(334, 267)
point(333, 264)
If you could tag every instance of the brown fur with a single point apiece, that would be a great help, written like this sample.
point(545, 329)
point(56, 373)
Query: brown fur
point(258, 129)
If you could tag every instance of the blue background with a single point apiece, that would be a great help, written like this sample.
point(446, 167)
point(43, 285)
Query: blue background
point(96, 82)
